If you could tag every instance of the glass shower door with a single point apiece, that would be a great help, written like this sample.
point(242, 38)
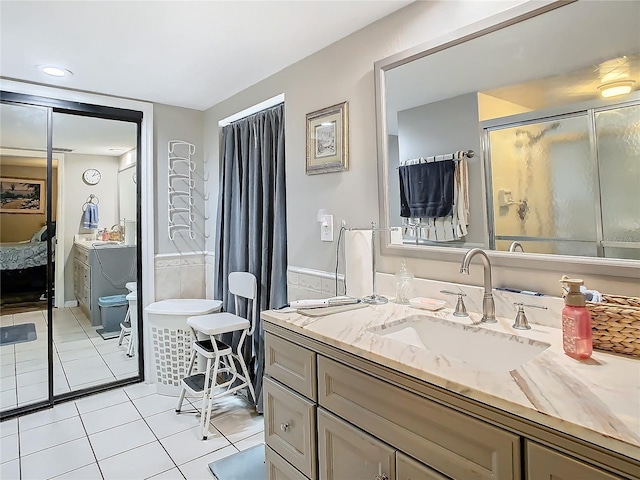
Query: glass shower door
point(543, 186)
point(618, 147)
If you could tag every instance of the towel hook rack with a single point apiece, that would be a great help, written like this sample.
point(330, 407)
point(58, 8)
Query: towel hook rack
point(90, 200)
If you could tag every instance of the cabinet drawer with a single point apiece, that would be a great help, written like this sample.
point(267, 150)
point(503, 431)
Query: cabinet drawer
point(81, 255)
point(290, 364)
point(346, 452)
point(546, 464)
point(278, 469)
point(289, 426)
point(455, 444)
point(409, 469)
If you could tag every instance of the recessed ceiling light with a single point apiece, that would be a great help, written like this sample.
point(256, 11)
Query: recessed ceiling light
point(55, 71)
point(615, 89)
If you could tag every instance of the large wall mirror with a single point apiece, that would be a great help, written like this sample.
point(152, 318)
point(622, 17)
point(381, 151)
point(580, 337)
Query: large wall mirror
point(521, 136)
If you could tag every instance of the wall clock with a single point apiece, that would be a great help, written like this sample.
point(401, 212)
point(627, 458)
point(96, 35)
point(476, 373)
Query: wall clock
point(91, 176)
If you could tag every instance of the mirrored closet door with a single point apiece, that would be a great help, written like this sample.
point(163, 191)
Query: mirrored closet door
point(69, 255)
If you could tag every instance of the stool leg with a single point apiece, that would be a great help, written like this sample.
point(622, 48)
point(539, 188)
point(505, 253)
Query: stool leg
point(244, 367)
point(183, 391)
point(126, 318)
point(206, 396)
point(133, 340)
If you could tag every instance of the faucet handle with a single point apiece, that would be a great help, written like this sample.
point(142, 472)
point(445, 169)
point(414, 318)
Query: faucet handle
point(461, 310)
point(521, 322)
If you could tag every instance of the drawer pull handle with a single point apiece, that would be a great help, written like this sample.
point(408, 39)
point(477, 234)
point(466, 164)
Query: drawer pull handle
point(284, 427)
point(381, 476)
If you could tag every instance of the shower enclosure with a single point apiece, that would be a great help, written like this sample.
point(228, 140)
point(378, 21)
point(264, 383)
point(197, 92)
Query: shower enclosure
point(568, 184)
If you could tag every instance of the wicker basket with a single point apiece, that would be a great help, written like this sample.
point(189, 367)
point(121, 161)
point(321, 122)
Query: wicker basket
point(615, 324)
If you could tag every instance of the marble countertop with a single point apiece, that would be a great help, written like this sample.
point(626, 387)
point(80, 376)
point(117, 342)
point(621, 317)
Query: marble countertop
point(597, 400)
point(99, 244)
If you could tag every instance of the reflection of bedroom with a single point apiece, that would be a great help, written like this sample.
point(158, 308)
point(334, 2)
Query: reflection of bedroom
point(23, 246)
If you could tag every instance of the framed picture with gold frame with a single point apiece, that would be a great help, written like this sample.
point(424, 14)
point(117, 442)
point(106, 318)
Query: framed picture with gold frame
point(19, 195)
point(328, 140)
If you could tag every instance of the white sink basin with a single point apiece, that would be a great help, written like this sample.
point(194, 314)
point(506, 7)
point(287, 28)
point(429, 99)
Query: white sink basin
point(480, 348)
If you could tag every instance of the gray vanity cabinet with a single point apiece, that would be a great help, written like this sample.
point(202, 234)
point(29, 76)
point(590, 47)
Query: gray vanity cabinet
point(546, 464)
point(278, 468)
point(346, 452)
point(290, 408)
point(408, 469)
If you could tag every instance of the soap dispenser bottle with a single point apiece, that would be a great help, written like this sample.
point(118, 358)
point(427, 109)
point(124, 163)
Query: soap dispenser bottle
point(576, 322)
point(404, 284)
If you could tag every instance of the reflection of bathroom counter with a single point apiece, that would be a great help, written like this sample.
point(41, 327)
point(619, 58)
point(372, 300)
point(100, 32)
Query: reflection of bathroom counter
point(101, 269)
point(597, 401)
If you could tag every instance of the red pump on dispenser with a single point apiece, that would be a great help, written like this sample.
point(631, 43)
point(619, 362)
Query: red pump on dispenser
point(576, 322)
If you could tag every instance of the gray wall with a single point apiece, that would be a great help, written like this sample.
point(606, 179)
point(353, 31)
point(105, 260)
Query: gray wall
point(445, 127)
point(344, 71)
point(175, 123)
point(76, 193)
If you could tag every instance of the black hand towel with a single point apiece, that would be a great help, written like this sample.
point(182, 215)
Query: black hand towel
point(426, 189)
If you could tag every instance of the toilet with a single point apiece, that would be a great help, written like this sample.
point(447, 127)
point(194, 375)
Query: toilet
point(168, 340)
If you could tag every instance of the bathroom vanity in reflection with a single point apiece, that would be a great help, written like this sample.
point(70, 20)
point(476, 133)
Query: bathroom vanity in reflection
point(341, 401)
point(100, 270)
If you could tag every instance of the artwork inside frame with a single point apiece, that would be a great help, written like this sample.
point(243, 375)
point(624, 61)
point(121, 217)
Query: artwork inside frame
point(328, 140)
point(20, 195)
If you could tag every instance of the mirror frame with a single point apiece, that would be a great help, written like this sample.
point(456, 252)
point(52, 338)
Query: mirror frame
point(576, 264)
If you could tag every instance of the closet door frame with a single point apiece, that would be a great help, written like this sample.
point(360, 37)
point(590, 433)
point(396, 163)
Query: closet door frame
point(144, 197)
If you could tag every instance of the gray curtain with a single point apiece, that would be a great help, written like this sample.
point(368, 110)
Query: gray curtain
point(252, 230)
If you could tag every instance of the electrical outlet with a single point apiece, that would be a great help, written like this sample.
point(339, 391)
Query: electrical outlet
point(326, 228)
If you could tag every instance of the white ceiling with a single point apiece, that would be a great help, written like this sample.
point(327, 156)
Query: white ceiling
point(564, 47)
point(187, 53)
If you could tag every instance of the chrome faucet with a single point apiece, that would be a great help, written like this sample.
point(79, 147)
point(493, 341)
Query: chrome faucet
point(514, 245)
point(488, 306)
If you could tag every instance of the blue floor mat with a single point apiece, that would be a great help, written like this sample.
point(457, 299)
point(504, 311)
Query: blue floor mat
point(245, 465)
point(25, 332)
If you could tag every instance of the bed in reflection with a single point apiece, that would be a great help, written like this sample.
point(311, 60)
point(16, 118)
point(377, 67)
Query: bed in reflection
point(23, 269)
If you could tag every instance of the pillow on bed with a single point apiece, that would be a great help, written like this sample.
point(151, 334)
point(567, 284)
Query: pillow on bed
point(38, 236)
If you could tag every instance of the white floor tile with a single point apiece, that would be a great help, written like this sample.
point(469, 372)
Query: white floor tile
point(108, 346)
point(136, 464)
point(11, 470)
point(31, 378)
point(173, 474)
point(75, 345)
point(9, 447)
point(82, 364)
point(90, 472)
point(7, 358)
point(101, 400)
point(33, 393)
point(198, 469)
point(152, 404)
point(239, 425)
point(8, 383)
point(40, 345)
point(74, 336)
point(77, 378)
point(55, 414)
point(50, 435)
point(32, 365)
point(169, 422)
point(109, 417)
point(251, 441)
point(6, 320)
point(8, 427)
point(8, 370)
point(8, 399)
point(67, 356)
point(182, 448)
point(140, 390)
point(57, 460)
point(121, 439)
point(32, 355)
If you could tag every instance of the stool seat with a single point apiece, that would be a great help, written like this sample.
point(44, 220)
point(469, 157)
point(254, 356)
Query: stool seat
point(217, 323)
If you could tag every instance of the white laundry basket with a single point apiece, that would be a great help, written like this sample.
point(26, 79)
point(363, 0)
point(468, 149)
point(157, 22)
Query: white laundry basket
point(170, 339)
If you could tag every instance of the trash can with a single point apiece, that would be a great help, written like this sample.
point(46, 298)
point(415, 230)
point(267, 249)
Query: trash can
point(170, 338)
point(113, 309)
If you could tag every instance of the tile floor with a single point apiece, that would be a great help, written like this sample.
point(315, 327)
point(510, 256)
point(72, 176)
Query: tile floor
point(81, 358)
point(127, 433)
